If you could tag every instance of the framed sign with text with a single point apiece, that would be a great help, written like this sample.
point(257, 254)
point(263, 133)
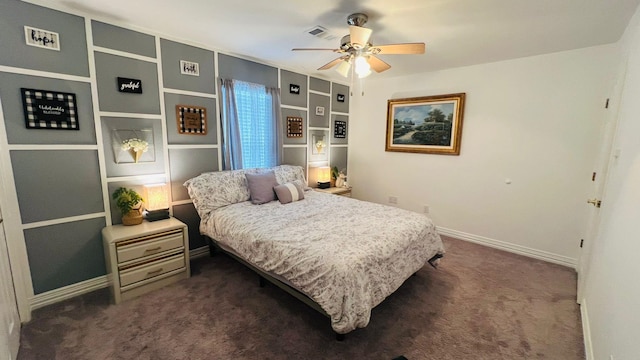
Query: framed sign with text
point(126, 85)
point(44, 109)
point(192, 120)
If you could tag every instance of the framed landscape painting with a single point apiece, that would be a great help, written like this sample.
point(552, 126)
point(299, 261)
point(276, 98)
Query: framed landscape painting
point(429, 124)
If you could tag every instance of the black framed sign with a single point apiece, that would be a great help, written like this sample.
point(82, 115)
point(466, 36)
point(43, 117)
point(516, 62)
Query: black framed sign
point(192, 120)
point(340, 98)
point(126, 85)
point(340, 129)
point(294, 89)
point(44, 109)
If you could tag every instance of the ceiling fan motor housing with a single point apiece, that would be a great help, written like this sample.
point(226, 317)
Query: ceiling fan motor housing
point(357, 19)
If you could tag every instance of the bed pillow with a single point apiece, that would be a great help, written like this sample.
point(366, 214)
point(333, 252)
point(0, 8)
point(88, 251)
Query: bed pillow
point(213, 190)
point(261, 187)
point(289, 192)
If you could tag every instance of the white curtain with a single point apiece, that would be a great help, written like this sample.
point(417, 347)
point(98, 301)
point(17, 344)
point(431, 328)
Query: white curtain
point(251, 125)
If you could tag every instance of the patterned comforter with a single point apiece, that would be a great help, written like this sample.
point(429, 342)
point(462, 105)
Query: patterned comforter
point(345, 254)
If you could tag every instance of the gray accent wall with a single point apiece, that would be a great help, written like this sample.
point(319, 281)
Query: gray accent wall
point(17, 132)
point(288, 78)
point(110, 67)
point(60, 175)
point(117, 38)
point(54, 184)
point(186, 164)
point(65, 254)
point(71, 59)
point(336, 106)
point(172, 53)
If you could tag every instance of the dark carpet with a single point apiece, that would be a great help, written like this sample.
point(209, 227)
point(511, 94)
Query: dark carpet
point(481, 303)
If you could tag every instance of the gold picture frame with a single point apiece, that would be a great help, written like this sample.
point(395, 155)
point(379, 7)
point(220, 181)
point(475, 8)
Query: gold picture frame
point(428, 124)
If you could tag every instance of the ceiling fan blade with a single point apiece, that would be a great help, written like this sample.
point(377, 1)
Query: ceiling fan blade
point(359, 36)
point(408, 48)
point(331, 63)
point(377, 64)
point(315, 49)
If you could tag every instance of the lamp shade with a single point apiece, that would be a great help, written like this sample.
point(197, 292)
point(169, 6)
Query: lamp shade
point(156, 197)
point(324, 174)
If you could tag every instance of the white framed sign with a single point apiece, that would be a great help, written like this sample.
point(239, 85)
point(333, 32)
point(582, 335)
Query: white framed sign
point(189, 68)
point(41, 38)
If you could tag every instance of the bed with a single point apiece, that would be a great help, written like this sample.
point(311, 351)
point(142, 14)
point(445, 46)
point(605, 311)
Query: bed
point(344, 255)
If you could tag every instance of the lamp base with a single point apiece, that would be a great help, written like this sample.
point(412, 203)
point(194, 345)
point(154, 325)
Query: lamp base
point(156, 215)
point(324, 185)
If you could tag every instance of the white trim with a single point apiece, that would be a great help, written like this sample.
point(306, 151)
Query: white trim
point(181, 202)
point(512, 248)
point(69, 219)
point(319, 92)
point(190, 93)
point(52, 147)
point(192, 146)
point(218, 110)
point(294, 145)
point(199, 252)
point(130, 115)
point(67, 292)
point(292, 107)
point(163, 124)
point(339, 113)
point(124, 54)
point(339, 145)
point(16, 245)
point(97, 122)
point(47, 74)
point(318, 128)
point(135, 177)
point(586, 330)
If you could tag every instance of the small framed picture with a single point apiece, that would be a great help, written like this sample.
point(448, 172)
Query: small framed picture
point(44, 109)
point(320, 110)
point(132, 86)
point(340, 129)
point(41, 38)
point(189, 68)
point(294, 127)
point(340, 98)
point(294, 89)
point(191, 120)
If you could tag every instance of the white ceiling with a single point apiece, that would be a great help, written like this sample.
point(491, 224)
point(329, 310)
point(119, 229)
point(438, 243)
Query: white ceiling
point(456, 32)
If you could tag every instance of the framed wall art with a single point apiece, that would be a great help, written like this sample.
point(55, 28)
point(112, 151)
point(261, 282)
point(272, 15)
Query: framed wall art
point(430, 124)
point(41, 38)
point(294, 89)
point(132, 146)
point(44, 109)
point(189, 68)
point(294, 127)
point(126, 85)
point(192, 120)
point(340, 129)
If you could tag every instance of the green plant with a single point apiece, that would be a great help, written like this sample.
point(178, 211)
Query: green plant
point(334, 172)
point(126, 199)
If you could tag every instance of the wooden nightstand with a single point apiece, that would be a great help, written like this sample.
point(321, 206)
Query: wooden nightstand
point(145, 257)
point(342, 191)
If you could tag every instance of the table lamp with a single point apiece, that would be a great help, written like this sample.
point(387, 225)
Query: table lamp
point(156, 200)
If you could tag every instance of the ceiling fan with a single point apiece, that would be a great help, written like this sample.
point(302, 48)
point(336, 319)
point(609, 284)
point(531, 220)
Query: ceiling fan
point(356, 50)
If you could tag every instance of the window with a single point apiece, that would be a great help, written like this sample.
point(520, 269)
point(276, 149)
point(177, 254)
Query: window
point(251, 124)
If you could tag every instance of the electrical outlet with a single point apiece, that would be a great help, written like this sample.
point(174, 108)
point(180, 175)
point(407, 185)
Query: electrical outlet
point(393, 200)
point(425, 209)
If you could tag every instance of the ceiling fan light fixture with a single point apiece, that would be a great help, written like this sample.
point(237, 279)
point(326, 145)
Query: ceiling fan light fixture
point(343, 68)
point(362, 67)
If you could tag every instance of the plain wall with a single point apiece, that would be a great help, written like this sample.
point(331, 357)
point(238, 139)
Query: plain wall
point(534, 120)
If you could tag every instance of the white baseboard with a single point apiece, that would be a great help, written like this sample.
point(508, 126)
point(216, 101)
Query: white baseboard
point(83, 287)
point(67, 292)
point(513, 248)
point(586, 330)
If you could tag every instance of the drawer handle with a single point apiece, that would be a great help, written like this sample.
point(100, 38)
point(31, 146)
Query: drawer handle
point(153, 249)
point(154, 272)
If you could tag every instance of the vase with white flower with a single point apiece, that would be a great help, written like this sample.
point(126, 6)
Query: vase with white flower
point(320, 145)
point(136, 147)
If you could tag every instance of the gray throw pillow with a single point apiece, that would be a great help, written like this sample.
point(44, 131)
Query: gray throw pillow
point(289, 192)
point(261, 187)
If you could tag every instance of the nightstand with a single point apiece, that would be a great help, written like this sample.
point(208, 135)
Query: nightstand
point(145, 257)
point(342, 191)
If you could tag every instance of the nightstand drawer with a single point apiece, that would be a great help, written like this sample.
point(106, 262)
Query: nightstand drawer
point(137, 248)
point(156, 268)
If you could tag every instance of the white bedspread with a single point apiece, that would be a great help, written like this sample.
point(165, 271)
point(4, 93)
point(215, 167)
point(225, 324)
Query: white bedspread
point(347, 255)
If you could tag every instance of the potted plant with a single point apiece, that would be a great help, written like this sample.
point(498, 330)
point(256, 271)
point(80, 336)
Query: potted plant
point(334, 175)
point(129, 203)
